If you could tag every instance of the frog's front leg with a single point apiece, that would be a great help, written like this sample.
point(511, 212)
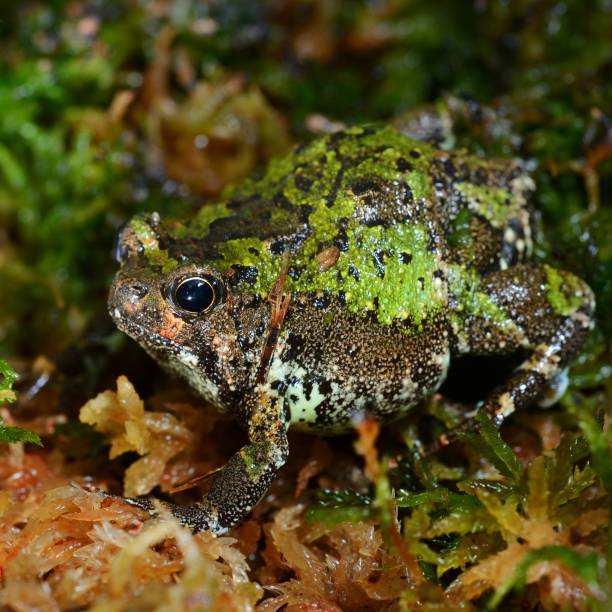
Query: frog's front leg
point(531, 307)
point(244, 479)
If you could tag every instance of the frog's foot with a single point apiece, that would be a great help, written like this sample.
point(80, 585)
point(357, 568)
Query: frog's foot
point(150, 505)
point(547, 312)
point(240, 483)
point(198, 517)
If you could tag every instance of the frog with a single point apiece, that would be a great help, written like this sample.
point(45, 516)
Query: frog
point(340, 283)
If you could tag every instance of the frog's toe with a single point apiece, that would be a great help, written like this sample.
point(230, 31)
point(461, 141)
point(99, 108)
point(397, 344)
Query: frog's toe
point(556, 388)
point(148, 504)
point(197, 517)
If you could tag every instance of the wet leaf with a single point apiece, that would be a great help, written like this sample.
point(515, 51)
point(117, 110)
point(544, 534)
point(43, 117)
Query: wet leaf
point(584, 409)
point(587, 566)
point(489, 443)
point(9, 376)
point(335, 507)
point(10, 435)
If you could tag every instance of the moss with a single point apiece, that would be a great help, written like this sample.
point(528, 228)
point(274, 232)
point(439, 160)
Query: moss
point(336, 507)
point(8, 433)
point(7, 380)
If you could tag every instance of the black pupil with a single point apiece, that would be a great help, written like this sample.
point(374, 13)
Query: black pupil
point(195, 295)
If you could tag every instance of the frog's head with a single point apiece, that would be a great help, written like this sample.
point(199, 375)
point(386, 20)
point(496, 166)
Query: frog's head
point(183, 311)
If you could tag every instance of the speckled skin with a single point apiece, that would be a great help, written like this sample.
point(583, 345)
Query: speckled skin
point(400, 257)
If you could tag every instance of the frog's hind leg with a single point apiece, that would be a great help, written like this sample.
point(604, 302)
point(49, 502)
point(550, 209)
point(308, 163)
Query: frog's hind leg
point(531, 307)
point(489, 222)
point(243, 480)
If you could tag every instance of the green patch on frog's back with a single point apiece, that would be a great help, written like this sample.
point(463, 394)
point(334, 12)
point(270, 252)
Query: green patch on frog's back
point(564, 291)
point(464, 285)
point(493, 203)
point(381, 267)
point(317, 172)
point(205, 217)
point(388, 270)
point(346, 192)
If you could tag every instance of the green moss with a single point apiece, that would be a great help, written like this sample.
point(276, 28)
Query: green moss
point(586, 565)
point(337, 507)
point(8, 376)
point(8, 433)
point(490, 444)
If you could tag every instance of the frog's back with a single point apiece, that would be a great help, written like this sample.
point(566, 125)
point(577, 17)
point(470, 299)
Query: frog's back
point(372, 217)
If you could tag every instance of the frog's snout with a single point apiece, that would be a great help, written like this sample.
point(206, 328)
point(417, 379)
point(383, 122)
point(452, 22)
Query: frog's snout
point(133, 292)
point(126, 295)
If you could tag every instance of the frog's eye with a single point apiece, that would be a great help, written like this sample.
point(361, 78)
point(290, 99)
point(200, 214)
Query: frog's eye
point(196, 294)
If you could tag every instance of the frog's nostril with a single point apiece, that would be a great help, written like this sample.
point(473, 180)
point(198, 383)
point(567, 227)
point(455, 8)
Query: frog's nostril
point(138, 290)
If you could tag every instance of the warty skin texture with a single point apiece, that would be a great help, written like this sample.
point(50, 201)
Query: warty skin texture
point(397, 258)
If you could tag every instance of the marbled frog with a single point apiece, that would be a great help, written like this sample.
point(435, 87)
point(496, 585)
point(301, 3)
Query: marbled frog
point(342, 282)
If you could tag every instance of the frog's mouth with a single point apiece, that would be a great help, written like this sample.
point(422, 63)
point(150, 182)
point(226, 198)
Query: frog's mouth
point(157, 346)
point(134, 314)
point(175, 357)
point(139, 332)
